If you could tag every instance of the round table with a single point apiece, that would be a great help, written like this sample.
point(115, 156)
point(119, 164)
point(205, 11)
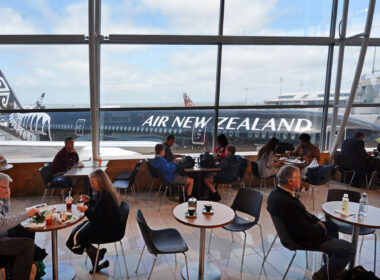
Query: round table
point(222, 216)
point(370, 221)
point(65, 271)
point(6, 167)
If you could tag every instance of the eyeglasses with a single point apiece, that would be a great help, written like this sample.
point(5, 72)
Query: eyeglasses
point(4, 187)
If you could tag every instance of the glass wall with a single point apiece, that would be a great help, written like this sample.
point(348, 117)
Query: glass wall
point(172, 68)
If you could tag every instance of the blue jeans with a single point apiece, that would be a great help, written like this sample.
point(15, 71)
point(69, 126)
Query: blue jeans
point(340, 252)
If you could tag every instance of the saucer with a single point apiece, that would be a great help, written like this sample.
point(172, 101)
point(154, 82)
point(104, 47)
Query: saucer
point(187, 215)
point(205, 212)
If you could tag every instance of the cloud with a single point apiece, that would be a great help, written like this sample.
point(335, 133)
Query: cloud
point(11, 22)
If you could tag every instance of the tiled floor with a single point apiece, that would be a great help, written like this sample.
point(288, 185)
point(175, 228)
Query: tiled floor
point(224, 253)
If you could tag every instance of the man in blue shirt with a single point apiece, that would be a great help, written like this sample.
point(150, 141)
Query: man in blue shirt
point(169, 170)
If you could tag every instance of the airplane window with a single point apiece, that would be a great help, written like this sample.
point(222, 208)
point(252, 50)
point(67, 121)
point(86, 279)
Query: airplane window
point(170, 130)
point(180, 131)
point(129, 128)
point(237, 133)
point(146, 129)
point(138, 129)
point(250, 134)
point(102, 127)
point(278, 135)
point(175, 131)
point(165, 130)
point(151, 129)
point(256, 135)
point(293, 136)
point(263, 135)
point(270, 135)
point(113, 128)
point(133, 129)
point(285, 136)
point(160, 130)
point(230, 133)
point(117, 128)
point(155, 130)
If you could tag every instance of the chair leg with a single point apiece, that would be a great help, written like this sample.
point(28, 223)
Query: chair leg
point(287, 270)
point(228, 192)
point(159, 207)
point(154, 262)
point(159, 188)
point(361, 244)
point(209, 242)
point(312, 194)
point(352, 179)
point(142, 252)
point(96, 261)
point(52, 192)
point(151, 185)
point(262, 240)
point(327, 265)
point(116, 249)
point(370, 181)
point(250, 181)
point(270, 248)
point(242, 258)
point(187, 268)
point(43, 196)
point(374, 257)
point(307, 260)
point(232, 235)
point(125, 262)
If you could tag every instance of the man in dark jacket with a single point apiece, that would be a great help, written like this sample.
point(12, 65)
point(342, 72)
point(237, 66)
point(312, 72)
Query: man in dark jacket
point(230, 169)
point(305, 228)
point(65, 158)
point(354, 148)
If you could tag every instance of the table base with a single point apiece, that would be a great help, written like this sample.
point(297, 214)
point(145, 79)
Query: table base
point(65, 272)
point(211, 272)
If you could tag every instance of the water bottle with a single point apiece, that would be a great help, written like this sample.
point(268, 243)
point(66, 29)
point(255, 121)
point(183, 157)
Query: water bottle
point(345, 201)
point(363, 205)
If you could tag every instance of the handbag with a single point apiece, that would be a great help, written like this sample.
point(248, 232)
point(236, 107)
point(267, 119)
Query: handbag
point(186, 162)
point(207, 160)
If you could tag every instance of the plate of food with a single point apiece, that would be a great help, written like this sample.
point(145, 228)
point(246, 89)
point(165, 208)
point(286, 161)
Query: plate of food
point(64, 217)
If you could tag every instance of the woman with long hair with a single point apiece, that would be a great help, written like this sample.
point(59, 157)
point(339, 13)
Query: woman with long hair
point(104, 221)
point(268, 166)
point(220, 151)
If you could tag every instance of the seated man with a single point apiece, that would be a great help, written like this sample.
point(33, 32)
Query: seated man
point(306, 229)
point(305, 149)
point(13, 242)
point(65, 158)
point(230, 169)
point(170, 140)
point(168, 170)
point(354, 148)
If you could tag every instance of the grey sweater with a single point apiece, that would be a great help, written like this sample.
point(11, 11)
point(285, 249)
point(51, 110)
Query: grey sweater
point(8, 222)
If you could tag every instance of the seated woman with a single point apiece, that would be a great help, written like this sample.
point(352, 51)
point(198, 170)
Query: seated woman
point(104, 221)
point(268, 166)
point(230, 170)
point(220, 151)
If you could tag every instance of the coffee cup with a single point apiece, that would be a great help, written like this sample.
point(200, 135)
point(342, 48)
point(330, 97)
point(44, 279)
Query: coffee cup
point(208, 207)
point(191, 211)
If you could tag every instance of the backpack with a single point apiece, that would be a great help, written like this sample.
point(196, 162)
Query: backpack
point(359, 273)
point(207, 160)
point(186, 162)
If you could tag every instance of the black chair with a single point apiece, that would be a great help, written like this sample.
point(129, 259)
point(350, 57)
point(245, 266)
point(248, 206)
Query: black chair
point(153, 174)
point(323, 176)
point(162, 241)
point(47, 178)
point(283, 146)
point(345, 165)
point(243, 164)
point(288, 242)
point(255, 173)
point(125, 175)
point(376, 171)
point(6, 262)
point(354, 196)
point(247, 201)
point(129, 183)
point(124, 212)
point(169, 186)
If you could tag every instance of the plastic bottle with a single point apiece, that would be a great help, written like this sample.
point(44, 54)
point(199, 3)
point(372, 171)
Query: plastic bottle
point(345, 202)
point(100, 160)
point(363, 205)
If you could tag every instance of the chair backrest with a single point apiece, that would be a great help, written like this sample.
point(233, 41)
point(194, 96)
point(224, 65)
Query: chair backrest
point(283, 146)
point(248, 201)
point(243, 166)
point(152, 170)
point(46, 174)
point(124, 213)
point(337, 194)
point(284, 235)
point(344, 162)
point(134, 173)
point(255, 169)
point(319, 175)
point(146, 232)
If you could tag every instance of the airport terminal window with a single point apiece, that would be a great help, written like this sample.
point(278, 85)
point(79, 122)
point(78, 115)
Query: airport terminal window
point(272, 75)
point(193, 130)
point(44, 17)
point(285, 124)
point(157, 76)
point(196, 17)
point(45, 76)
point(277, 18)
point(369, 84)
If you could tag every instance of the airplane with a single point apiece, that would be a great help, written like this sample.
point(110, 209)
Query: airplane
point(139, 131)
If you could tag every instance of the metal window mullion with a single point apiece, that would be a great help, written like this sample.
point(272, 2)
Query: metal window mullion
point(338, 79)
point(329, 66)
point(358, 71)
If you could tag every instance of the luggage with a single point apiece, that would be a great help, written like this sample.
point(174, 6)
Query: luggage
point(186, 162)
point(207, 160)
point(359, 273)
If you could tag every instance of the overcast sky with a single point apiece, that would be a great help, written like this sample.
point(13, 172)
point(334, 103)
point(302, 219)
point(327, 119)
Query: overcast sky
point(138, 75)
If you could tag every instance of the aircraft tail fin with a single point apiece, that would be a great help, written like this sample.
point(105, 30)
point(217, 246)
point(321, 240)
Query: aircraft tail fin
point(38, 103)
point(187, 100)
point(8, 100)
